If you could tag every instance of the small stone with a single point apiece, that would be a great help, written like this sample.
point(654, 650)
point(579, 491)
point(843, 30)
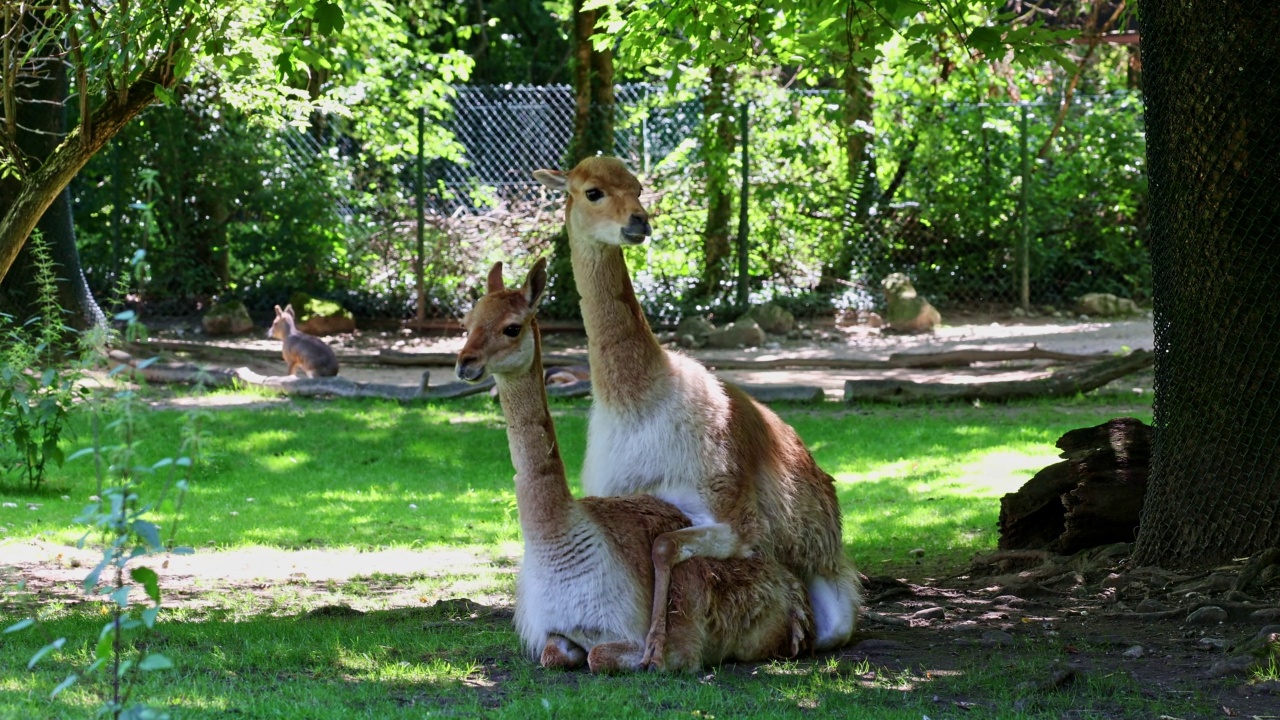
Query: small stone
point(413, 506)
point(9, 505)
point(1238, 665)
point(933, 613)
point(1207, 615)
point(66, 497)
point(1267, 631)
point(1012, 601)
point(3, 529)
point(917, 553)
point(773, 346)
point(1151, 605)
point(871, 647)
point(995, 638)
point(234, 513)
point(1134, 652)
point(1212, 644)
point(248, 500)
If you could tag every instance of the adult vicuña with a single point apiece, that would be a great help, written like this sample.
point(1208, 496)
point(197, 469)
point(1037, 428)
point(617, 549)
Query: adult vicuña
point(662, 424)
point(315, 357)
point(584, 590)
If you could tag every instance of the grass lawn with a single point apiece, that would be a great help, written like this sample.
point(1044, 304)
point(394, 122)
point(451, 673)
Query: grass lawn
point(365, 476)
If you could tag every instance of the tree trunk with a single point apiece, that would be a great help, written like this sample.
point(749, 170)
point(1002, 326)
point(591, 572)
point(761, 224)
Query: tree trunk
point(592, 134)
point(718, 142)
point(42, 91)
point(860, 172)
point(1213, 149)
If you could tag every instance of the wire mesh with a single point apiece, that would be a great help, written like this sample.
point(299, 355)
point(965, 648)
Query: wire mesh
point(1213, 110)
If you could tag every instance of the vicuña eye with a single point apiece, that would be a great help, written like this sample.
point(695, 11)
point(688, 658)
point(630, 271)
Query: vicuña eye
point(594, 194)
point(511, 330)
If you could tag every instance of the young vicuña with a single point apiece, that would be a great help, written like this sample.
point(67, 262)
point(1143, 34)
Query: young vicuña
point(585, 586)
point(662, 424)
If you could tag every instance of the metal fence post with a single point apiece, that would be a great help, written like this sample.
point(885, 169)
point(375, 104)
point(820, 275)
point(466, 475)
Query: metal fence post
point(744, 264)
point(1024, 252)
point(420, 268)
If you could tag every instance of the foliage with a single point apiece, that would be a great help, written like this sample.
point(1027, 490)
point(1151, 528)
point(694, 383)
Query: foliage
point(38, 388)
point(121, 520)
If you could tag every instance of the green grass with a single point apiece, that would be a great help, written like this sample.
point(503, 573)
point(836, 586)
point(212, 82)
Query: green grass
point(434, 663)
point(350, 474)
point(344, 475)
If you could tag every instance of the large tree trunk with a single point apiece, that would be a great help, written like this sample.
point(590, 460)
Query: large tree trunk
point(592, 134)
point(718, 142)
point(42, 124)
point(1213, 148)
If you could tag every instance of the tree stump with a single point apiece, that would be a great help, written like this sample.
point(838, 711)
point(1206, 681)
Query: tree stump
point(1093, 497)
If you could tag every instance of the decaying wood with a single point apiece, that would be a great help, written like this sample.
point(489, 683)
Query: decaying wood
point(900, 361)
point(1092, 497)
point(784, 393)
point(189, 374)
point(1066, 383)
point(388, 356)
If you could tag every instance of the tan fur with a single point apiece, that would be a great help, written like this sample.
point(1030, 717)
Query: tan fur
point(299, 349)
point(753, 475)
point(744, 609)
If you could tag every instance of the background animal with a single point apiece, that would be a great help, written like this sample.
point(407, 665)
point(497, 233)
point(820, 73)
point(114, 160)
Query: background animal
point(584, 591)
point(315, 357)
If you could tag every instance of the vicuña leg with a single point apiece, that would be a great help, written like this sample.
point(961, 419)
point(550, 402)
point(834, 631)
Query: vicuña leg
point(717, 541)
point(835, 601)
point(562, 653)
point(615, 657)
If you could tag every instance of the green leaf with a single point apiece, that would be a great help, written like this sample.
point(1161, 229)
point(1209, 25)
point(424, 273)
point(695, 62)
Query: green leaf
point(329, 18)
point(150, 580)
point(149, 616)
point(121, 596)
point(155, 661)
point(55, 645)
point(71, 679)
point(20, 625)
point(149, 533)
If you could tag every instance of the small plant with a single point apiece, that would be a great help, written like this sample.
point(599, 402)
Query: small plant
point(36, 403)
point(122, 521)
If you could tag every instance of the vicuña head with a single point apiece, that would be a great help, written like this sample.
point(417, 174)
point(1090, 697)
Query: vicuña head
point(604, 201)
point(499, 339)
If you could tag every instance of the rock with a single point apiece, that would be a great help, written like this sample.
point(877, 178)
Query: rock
point(995, 638)
point(1134, 652)
point(743, 333)
point(871, 647)
point(320, 317)
point(1237, 665)
point(1151, 605)
point(933, 613)
point(1212, 644)
point(1207, 615)
point(873, 320)
point(1010, 601)
point(689, 342)
point(1265, 615)
point(1105, 305)
point(1018, 312)
point(1266, 632)
point(696, 327)
point(229, 318)
point(906, 311)
point(772, 319)
point(917, 553)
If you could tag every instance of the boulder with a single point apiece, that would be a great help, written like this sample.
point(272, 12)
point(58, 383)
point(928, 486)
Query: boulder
point(772, 319)
point(696, 326)
point(320, 317)
point(743, 333)
point(906, 311)
point(228, 318)
point(1105, 305)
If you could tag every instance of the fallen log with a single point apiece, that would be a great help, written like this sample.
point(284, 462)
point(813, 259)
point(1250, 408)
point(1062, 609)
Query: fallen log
point(784, 393)
point(1061, 384)
point(188, 374)
point(901, 361)
point(390, 356)
point(1092, 497)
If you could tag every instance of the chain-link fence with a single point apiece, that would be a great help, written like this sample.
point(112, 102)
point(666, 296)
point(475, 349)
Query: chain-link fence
point(959, 219)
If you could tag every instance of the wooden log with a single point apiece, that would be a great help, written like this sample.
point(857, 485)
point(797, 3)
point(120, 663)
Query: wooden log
point(1060, 384)
point(901, 361)
point(389, 356)
point(1092, 497)
point(785, 393)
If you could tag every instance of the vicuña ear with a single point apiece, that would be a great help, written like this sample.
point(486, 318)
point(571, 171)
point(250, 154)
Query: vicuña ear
point(553, 179)
point(494, 283)
point(279, 312)
point(288, 310)
point(536, 283)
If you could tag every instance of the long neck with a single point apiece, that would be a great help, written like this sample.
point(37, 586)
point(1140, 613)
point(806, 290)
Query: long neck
point(626, 359)
point(542, 492)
